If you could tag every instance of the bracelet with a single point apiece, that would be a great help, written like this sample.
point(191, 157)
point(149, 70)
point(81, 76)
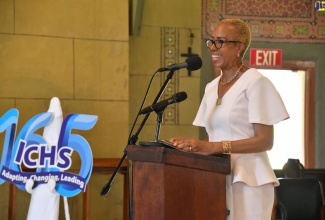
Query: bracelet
point(226, 147)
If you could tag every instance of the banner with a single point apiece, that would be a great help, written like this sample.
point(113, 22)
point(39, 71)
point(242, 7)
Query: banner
point(29, 149)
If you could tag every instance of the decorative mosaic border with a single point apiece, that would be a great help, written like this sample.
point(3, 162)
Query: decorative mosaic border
point(290, 21)
point(170, 55)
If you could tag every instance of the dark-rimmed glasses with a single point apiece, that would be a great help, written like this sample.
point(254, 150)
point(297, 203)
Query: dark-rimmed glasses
point(218, 43)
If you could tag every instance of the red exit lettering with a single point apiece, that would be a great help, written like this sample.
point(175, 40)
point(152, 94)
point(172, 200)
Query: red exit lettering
point(265, 57)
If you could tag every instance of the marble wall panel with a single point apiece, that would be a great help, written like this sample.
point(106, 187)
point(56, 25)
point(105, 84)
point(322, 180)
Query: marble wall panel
point(101, 70)
point(38, 67)
point(167, 13)
point(105, 20)
point(7, 16)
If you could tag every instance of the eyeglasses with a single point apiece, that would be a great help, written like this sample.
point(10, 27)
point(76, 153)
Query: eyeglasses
point(218, 43)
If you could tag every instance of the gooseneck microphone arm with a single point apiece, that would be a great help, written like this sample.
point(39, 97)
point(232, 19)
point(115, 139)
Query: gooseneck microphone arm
point(134, 138)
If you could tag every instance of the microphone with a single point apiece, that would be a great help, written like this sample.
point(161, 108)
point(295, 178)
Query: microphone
point(159, 106)
point(191, 63)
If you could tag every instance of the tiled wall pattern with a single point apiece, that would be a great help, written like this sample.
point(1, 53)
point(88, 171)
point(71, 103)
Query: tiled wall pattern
point(170, 55)
point(289, 21)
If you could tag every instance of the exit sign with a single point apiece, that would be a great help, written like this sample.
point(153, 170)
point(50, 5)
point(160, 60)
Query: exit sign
point(260, 57)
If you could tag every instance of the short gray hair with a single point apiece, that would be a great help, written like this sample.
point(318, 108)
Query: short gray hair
point(244, 33)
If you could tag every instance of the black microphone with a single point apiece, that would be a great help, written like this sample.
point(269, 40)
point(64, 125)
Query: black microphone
point(191, 63)
point(159, 106)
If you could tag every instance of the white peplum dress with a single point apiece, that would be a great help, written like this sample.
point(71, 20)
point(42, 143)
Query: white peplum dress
point(252, 99)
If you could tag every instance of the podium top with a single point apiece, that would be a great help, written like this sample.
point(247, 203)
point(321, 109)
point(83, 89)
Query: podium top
point(157, 154)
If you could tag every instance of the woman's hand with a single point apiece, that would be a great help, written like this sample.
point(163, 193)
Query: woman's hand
point(262, 141)
point(194, 145)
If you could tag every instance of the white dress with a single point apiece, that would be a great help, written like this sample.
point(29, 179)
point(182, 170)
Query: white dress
point(252, 99)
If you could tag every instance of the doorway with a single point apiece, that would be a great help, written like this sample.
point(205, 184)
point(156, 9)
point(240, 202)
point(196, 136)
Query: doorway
point(288, 134)
point(299, 72)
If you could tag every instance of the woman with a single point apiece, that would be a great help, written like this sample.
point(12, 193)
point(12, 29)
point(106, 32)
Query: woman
point(238, 111)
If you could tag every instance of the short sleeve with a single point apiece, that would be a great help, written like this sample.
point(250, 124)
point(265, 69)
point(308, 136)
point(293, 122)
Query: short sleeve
point(265, 105)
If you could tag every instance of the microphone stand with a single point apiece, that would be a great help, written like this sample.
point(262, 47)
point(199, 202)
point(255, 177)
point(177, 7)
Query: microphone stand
point(133, 139)
point(158, 142)
point(159, 120)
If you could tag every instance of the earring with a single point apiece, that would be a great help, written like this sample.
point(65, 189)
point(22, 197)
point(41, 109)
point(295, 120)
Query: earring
point(238, 55)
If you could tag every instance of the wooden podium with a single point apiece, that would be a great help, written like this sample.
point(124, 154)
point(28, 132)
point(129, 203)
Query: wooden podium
point(172, 184)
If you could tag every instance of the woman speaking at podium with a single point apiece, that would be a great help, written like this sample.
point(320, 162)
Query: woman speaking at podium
point(238, 111)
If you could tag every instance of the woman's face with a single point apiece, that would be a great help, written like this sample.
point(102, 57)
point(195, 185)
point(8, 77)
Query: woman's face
point(226, 56)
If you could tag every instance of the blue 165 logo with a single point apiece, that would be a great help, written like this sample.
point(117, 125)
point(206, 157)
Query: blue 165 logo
point(31, 150)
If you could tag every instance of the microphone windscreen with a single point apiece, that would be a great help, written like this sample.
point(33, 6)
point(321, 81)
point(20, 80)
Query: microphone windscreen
point(193, 63)
point(181, 96)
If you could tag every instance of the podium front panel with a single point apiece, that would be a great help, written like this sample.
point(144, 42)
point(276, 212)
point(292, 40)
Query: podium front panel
point(172, 190)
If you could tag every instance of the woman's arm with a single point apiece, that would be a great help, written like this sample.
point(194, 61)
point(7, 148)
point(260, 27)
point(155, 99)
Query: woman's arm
point(262, 141)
